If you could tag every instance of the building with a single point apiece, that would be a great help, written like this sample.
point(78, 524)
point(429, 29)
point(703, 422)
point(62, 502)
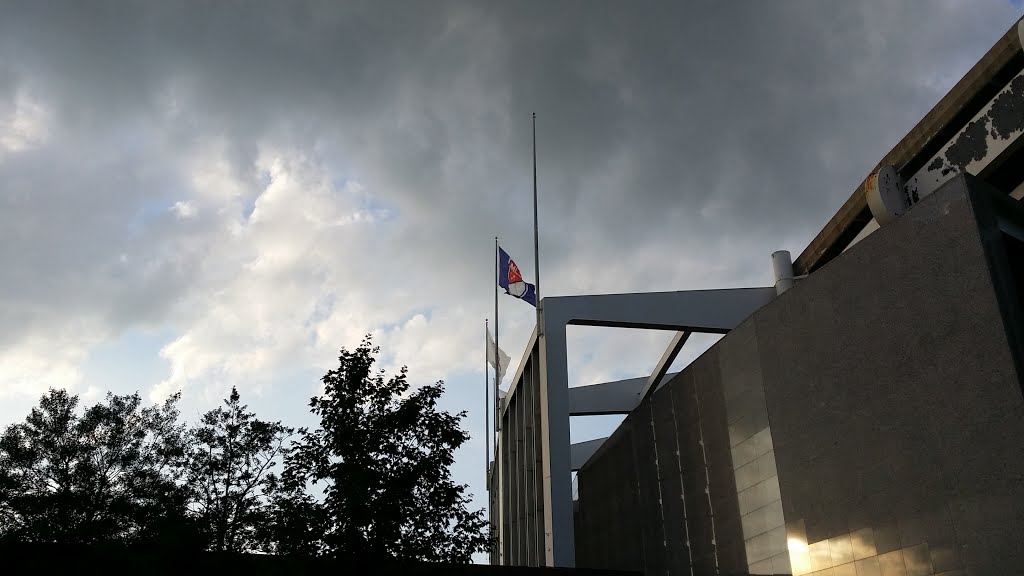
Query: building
point(864, 416)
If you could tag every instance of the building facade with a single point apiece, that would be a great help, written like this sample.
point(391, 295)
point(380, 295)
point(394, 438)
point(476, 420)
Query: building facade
point(864, 416)
point(867, 421)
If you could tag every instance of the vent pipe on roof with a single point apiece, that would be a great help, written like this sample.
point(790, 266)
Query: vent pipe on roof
point(884, 191)
point(782, 267)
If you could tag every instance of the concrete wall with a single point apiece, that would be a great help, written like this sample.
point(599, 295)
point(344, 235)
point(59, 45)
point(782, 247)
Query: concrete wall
point(662, 480)
point(895, 405)
point(868, 421)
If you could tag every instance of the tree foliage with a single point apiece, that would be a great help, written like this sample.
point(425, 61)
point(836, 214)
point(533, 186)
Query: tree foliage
point(297, 522)
point(372, 481)
point(230, 458)
point(382, 453)
point(109, 474)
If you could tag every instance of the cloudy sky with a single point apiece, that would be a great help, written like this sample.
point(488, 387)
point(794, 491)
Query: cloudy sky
point(206, 194)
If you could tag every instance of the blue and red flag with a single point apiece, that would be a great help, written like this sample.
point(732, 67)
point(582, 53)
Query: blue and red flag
point(511, 279)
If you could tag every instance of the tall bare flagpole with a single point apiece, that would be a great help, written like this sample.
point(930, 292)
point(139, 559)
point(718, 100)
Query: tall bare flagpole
point(536, 245)
point(487, 412)
point(497, 357)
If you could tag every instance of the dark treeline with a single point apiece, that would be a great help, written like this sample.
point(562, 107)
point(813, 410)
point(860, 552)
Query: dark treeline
point(371, 481)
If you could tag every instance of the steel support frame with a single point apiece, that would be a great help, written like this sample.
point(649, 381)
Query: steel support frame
point(606, 398)
point(704, 311)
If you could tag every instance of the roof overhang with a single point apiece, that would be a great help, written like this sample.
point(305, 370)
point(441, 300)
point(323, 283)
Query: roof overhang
point(969, 96)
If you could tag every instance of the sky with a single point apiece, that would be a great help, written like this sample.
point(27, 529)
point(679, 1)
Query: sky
point(200, 195)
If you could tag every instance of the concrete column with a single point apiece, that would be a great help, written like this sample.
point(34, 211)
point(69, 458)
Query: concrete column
point(559, 537)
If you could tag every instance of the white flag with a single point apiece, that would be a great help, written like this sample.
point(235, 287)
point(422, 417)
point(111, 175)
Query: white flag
point(491, 348)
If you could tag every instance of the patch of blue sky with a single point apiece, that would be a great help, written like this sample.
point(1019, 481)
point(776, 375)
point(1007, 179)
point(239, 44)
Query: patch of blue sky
point(322, 310)
point(340, 182)
point(365, 202)
point(381, 210)
point(583, 428)
point(427, 313)
point(286, 398)
point(149, 210)
point(263, 179)
point(131, 362)
point(248, 205)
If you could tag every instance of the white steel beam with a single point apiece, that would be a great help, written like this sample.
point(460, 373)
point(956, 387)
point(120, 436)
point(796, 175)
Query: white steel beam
point(669, 356)
point(977, 145)
point(712, 311)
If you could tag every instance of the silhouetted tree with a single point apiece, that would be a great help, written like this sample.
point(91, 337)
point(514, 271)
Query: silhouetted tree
point(231, 455)
point(297, 522)
point(382, 454)
point(109, 475)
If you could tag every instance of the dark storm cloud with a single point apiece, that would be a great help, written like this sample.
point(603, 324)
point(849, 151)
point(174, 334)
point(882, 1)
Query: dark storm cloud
point(680, 143)
point(669, 98)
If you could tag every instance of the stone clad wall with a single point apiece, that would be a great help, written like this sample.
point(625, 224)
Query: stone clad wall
point(868, 421)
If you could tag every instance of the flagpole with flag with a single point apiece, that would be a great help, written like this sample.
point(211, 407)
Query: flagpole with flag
point(509, 277)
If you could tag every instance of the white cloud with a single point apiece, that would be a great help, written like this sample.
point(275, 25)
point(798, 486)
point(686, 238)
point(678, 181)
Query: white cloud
point(184, 209)
point(435, 347)
point(43, 359)
point(268, 189)
point(289, 286)
point(25, 126)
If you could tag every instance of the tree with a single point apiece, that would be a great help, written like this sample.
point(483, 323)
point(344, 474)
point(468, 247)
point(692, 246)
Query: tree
point(229, 473)
point(109, 475)
point(382, 454)
point(297, 522)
